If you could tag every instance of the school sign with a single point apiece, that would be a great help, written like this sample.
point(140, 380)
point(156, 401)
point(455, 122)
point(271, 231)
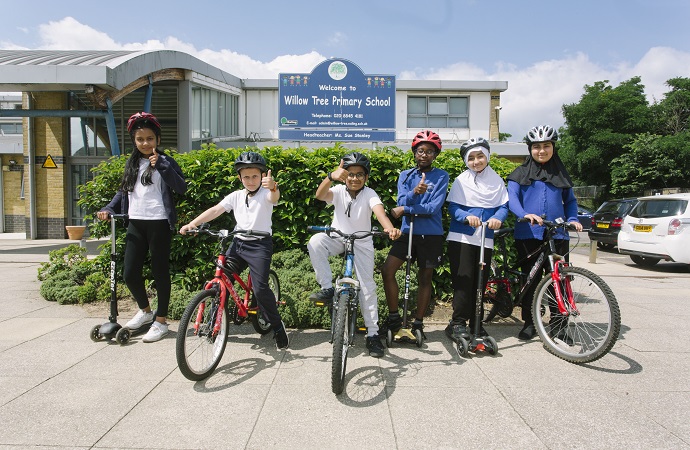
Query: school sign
point(336, 102)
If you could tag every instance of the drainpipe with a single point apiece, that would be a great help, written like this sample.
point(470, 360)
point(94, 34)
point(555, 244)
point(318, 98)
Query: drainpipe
point(32, 171)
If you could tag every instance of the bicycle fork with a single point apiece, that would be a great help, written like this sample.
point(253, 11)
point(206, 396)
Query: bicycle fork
point(562, 288)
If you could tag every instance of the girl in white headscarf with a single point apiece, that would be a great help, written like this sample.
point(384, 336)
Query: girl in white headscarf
point(478, 195)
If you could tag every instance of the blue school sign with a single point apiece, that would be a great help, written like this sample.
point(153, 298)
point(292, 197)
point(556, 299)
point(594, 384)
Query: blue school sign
point(336, 102)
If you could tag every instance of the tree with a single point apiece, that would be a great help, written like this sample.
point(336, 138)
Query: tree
point(672, 114)
point(600, 126)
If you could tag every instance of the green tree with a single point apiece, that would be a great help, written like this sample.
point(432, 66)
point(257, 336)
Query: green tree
point(672, 113)
point(600, 126)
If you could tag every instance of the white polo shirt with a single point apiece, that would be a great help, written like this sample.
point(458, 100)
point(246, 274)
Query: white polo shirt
point(360, 209)
point(251, 213)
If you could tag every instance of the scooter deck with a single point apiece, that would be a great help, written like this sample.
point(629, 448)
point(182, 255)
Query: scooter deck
point(404, 335)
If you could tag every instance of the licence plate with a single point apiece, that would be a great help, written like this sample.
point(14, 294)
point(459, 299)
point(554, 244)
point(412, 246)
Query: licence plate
point(643, 228)
point(602, 225)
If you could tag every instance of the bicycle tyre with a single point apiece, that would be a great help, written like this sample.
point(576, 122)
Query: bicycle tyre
point(259, 322)
point(586, 335)
point(340, 344)
point(198, 352)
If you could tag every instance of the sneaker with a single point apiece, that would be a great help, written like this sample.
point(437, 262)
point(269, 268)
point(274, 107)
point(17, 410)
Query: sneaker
point(564, 337)
point(374, 346)
point(418, 325)
point(140, 319)
point(281, 337)
point(458, 330)
point(323, 297)
point(394, 323)
point(156, 332)
point(527, 332)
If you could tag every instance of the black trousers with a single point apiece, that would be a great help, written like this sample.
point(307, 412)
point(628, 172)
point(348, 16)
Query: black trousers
point(464, 270)
point(144, 237)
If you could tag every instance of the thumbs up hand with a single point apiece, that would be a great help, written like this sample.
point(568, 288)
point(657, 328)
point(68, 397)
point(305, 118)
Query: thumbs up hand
point(340, 173)
point(268, 182)
point(422, 186)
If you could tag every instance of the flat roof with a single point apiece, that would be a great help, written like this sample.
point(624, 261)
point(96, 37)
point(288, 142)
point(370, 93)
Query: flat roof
point(405, 85)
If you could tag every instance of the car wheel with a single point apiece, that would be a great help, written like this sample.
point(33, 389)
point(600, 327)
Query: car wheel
point(644, 260)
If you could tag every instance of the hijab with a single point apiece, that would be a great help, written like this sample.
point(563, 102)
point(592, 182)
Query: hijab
point(552, 171)
point(485, 189)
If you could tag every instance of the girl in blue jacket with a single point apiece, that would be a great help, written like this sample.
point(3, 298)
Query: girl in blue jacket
point(477, 195)
point(540, 186)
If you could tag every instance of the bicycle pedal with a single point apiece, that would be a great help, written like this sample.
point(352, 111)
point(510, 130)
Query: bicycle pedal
point(321, 303)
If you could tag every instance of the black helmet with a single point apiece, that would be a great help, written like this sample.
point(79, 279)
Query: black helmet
point(472, 143)
point(250, 159)
point(356, 159)
point(542, 133)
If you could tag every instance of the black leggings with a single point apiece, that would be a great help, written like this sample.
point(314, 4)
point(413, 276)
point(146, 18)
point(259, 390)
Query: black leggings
point(524, 247)
point(144, 236)
point(464, 268)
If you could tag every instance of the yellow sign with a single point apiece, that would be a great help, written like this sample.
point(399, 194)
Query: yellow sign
point(49, 163)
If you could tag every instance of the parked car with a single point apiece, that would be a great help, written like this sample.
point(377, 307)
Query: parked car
point(657, 228)
point(584, 215)
point(607, 221)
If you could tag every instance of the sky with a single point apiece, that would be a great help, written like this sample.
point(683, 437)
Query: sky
point(547, 50)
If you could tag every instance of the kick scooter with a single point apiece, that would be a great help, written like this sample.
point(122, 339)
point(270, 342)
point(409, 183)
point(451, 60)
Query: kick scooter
point(111, 329)
point(405, 333)
point(477, 342)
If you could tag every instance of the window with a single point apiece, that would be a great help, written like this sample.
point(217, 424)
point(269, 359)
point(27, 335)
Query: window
point(89, 137)
point(438, 112)
point(11, 128)
point(214, 114)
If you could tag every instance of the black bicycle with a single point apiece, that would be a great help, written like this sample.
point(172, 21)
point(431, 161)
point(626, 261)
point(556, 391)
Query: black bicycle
point(575, 312)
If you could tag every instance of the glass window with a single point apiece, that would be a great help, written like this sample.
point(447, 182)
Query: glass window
point(438, 112)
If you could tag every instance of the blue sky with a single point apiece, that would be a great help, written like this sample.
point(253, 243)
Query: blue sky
point(547, 50)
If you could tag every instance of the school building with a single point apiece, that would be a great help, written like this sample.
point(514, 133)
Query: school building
point(74, 105)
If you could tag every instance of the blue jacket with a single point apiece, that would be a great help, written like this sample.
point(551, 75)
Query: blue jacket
point(458, 213)
point(541, 198)
point(430, 203)
point(172, 178)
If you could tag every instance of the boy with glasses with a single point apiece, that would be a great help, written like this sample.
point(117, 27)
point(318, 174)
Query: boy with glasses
point(421, 193)
point(353, 204)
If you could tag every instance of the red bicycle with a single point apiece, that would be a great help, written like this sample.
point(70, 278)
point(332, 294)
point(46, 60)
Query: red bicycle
point(205, 323)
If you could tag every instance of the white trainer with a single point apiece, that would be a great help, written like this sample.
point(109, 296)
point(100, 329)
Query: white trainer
point(156, 332)
point(140, 319)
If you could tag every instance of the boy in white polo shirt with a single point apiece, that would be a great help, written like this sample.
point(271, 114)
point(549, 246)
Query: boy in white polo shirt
point(353, 204)
point(253, 207)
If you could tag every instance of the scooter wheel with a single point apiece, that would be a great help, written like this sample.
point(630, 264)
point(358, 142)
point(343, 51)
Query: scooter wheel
point(419, 337)
point(463, 347)
point(95, 333)
point(122, 336)
point(491, 345)
point(389, 338)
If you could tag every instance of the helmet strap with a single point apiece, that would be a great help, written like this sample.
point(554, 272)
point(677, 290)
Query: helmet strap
point(250, 194)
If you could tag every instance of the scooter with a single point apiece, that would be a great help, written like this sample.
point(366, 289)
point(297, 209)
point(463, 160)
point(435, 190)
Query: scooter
point(477, 342)
point(405, 334)
point(111, 329)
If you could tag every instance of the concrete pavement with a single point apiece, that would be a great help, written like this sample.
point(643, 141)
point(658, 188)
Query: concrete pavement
point(58, 389)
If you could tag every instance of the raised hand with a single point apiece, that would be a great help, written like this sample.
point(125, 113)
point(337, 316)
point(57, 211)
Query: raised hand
point(422, 186)
point(268, 182)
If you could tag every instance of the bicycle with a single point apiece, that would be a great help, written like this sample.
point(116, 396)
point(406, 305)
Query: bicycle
point(204, 326)
point(344, 304)
point(575, 312)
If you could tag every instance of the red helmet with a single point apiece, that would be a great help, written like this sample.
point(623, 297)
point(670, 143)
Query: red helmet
point(142, 117)
point(427, 136)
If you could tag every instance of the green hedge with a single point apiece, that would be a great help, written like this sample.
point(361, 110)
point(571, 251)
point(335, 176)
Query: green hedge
point(210, 176)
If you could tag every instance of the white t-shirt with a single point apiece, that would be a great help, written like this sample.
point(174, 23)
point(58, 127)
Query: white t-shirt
point(360, 209)
point(251, 213)
point(146, 202)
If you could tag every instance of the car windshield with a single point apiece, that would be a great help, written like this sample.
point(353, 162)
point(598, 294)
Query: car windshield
point(659, 208)
point(619, 208)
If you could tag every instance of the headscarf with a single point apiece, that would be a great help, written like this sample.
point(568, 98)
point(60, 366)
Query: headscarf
point(552, 171)
point(485, 189)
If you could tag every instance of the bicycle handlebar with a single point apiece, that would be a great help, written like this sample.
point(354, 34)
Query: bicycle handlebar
point(552, 224)
point(225, 233)
point(356, 235)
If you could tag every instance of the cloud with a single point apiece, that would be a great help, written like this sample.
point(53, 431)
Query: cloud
point(535, 94)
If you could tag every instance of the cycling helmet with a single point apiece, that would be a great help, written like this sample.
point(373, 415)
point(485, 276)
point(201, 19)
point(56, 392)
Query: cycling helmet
point(356, 159)
point(542, 133)
point(250, 159)
point(472, 143)
point(143, 118)
point(427, 136)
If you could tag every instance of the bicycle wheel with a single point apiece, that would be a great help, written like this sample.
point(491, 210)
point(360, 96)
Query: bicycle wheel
point(259, 322)
point(198, 348)
point(340, 344)
point(590, 329)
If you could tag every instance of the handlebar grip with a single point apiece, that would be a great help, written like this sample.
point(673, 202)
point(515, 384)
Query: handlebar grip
point(317, 228)
point(120, 216)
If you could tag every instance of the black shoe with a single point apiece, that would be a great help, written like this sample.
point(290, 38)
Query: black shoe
point(281, 337)
point(458, 330)
point(393, 322)
point(527, 332)
point(324, 297)
point(374, 346)
point(418, 325)
point(565, 337)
